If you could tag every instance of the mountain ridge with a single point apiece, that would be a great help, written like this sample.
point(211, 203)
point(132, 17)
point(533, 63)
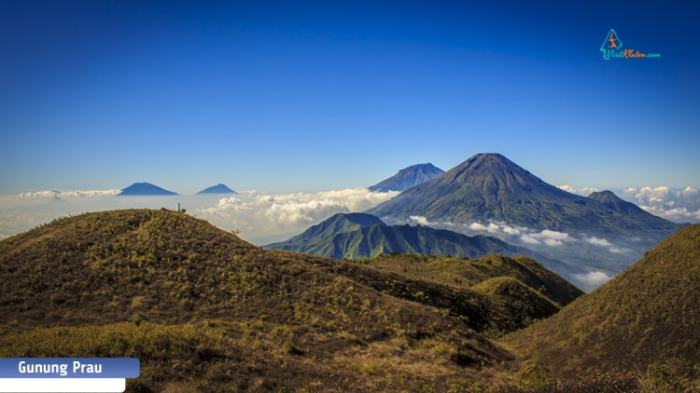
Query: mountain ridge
point(360, 236)
point(490, 187)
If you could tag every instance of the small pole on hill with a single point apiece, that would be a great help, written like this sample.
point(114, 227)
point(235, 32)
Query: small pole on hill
point(178, 207)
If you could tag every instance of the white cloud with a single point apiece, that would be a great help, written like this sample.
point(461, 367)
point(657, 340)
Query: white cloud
point(548, 237)
point(596, 241)
point(262, 214)
point(677, 204)
point(527, 239)
point(260, 217)
point(593, 279)
point(605, 243)
point(523, 234)
point(510, 230)
point(420, 220)
point(475, 226)
point(67, 194)
point(585, 191)
point(690, 192)
point(494, 228)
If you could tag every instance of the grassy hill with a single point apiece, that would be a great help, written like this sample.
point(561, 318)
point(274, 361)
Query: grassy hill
point(646, 318)
point(467, 273)
point(207, 311)
point(515, 291)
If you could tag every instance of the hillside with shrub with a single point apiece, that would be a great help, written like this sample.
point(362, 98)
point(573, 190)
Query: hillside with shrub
point(205, 310)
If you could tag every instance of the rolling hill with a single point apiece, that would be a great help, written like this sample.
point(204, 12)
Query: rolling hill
point(207, 311)
point(408, 177)
point(646, 317)
point(471, 272)
point(518, 290)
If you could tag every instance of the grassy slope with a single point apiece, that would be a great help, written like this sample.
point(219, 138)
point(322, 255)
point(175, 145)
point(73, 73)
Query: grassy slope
point(206, 310)
point(647, 315)
point(466, 273)
point(515, 291)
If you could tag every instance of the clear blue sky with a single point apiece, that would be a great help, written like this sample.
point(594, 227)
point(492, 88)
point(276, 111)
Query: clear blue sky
point(313, 96)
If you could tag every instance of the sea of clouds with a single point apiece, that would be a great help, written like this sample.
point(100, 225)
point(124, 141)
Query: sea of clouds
point(258, 217)
point(262, 217)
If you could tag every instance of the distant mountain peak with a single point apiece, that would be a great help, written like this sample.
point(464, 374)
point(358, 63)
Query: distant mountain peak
point(217, 189)
point(605, 196)
point(144, 189)
point(612, 201)
point(408, 177)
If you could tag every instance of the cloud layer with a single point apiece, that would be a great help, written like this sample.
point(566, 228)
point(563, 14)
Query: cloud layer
point(262, 214)
point(677, 204)
point(258, 216)
point(67, 194)
point(592, 279)
point(585, 191)
point(529, 237)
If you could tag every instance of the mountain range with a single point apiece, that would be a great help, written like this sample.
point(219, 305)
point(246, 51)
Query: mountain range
point(408, 177)
point(600, 232)
point(149, 189)
point(361, 235)
point(489, 187)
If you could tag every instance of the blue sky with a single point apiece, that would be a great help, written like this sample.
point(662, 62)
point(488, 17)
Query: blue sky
point(314, 96)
